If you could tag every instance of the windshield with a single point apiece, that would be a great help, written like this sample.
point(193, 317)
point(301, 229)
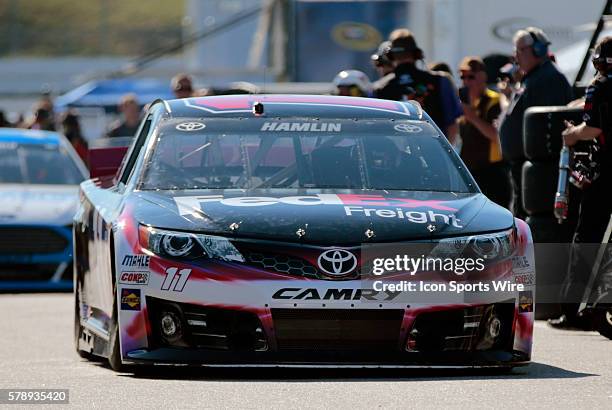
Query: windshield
point(37, 164)
point(342, 160)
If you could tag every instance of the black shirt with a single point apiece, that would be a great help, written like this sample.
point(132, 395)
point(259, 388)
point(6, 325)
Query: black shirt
point(407, 82)
point(122, 129)
point(545, 85)
point(598, 114)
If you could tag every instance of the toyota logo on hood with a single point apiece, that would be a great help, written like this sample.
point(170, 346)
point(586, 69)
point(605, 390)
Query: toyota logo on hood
point(337, 262)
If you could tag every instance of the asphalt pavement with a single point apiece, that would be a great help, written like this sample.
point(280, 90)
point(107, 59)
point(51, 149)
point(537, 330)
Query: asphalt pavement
point(569, 370)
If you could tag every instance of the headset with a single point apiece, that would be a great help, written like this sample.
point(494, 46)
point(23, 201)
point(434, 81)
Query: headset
point(539, 46)
point(601, 57)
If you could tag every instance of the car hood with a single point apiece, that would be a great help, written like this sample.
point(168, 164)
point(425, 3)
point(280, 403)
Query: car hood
point(322, 216)
point(33, 204)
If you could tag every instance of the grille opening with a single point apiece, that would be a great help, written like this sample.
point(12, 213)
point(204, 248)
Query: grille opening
point(466, 329)
point(208, 327)
point(337, 329)
point(282, 264)
point(31, 240)
point(32, 272)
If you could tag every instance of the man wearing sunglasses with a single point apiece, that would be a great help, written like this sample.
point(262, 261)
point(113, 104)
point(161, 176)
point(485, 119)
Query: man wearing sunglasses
point(542, 85)
point(481, 150)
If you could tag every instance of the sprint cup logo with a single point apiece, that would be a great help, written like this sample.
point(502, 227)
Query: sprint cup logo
point(368, 206)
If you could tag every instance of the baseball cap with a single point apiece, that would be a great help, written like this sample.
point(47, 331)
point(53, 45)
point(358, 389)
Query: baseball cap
point(402, 40)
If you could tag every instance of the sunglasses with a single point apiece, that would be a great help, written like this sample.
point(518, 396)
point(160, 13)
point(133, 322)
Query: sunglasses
point(467, 76)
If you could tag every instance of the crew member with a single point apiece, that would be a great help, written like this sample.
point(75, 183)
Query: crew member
point(595, 210)
point(542, 85)
point(381, 61)
point(434, 92)
point(353, 83)
point(481, 150)
point(130, 111)
point(182, 86)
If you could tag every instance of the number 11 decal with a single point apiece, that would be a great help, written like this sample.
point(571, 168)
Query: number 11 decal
point(175, 279)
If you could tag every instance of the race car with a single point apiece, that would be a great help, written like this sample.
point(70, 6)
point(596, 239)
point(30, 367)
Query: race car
point(244, 231)
point(40, 175)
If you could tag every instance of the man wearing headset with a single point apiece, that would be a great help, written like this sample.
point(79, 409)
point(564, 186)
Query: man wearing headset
point(542, 85)
point(436, 93)
point(380, 59)
point(595, 207)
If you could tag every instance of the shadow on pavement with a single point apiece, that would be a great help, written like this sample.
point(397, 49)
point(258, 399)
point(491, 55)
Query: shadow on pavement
point(533, 371)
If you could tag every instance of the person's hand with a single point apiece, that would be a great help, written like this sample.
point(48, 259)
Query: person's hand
point(570, 134)
point(469, 113)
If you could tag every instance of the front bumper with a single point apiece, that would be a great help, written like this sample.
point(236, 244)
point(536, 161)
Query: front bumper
point(196, 357)
point(455, 336)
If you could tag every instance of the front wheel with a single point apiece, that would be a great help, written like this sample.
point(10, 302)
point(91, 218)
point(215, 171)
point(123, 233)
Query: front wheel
point(114, 351)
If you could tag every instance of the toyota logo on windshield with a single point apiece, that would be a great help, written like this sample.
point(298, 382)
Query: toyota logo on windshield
point(337, 262)
point(190, 126)
point(407, 128)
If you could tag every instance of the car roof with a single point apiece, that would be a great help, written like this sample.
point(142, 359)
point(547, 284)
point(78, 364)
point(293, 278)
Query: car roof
point(286, 105)
point(24, 136)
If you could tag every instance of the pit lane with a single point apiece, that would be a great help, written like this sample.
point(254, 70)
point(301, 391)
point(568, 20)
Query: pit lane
point(569, 369)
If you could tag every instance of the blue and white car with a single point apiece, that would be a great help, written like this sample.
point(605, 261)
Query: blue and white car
point(39, 177)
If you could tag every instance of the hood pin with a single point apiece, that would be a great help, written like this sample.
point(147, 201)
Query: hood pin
point(300, 232)
point(234, 226)
point(369, 234)
point(431, 228)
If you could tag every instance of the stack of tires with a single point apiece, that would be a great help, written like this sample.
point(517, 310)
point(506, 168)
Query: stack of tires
point(542, 142)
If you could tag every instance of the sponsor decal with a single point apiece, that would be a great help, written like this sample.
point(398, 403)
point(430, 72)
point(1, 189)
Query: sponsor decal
point(190, 126)
point(302, 126)
point(352, 205)
point(520, 264)
point(136, 261)
point(130, 299)
point(333, 294)
point(134, 278)
point(525, 279)
point(407, 128)
point(337, 262)
point(525, 301)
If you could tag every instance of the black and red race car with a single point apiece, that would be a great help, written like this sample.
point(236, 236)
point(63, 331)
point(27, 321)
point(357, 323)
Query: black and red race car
point(234, 231)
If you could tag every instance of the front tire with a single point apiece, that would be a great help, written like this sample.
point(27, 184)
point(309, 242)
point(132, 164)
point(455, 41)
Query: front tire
point(114, 349)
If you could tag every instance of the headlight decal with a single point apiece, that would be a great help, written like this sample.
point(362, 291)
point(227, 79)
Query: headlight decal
point(491, 247)
point(186, 245)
